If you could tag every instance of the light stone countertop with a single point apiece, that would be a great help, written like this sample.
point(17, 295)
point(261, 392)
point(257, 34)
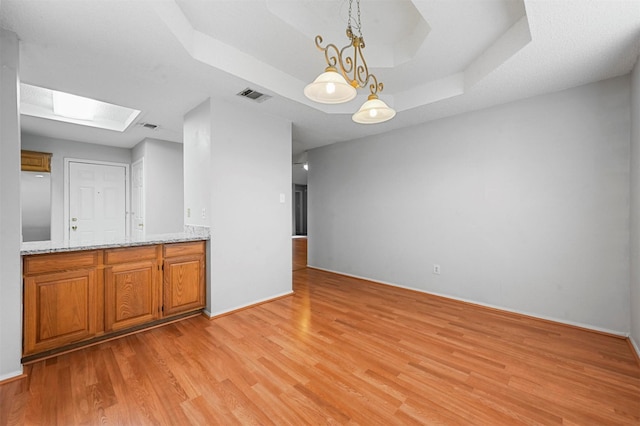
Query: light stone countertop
point(43, 247)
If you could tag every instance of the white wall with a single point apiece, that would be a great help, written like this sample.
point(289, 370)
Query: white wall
point(635, 207)
point(525, 206)
point(249, 157)
point(197, 164)
point(138, 151)
point(10, 271)
point(163, 185)
point(61, 149)
point(251, 228)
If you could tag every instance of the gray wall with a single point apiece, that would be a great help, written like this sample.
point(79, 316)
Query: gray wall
point(197, 165)
point(251, 228)
point(61, 149)
point(635, 207)
point(241, 166)
point(525, 206)
point(163, 185)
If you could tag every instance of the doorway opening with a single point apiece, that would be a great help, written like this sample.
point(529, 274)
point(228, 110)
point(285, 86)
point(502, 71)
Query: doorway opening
point(96, 200)
point(299, 252)
point(300, 227)
point(300, 209)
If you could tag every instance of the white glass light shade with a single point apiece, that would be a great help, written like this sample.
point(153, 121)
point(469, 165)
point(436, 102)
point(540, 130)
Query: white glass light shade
point(330, 88)
point(373, 111)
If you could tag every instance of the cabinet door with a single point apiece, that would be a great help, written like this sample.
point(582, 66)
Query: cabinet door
point(131, 296)
point(183, 284)
point(33, 161)
point(60, 308)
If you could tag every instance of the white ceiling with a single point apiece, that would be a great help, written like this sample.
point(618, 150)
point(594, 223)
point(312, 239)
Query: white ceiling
point(436, 57)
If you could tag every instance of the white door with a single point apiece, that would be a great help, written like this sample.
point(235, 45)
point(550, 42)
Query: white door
point(97, 202)
point(137, 199)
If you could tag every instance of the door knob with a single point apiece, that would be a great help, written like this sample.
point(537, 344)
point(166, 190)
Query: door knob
point(74, 227)
point(74, 219)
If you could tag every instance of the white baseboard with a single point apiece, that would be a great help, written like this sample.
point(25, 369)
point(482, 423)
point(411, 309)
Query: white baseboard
point(248, 305)
point(12, 375)
point(635, 346)
point(488, 305)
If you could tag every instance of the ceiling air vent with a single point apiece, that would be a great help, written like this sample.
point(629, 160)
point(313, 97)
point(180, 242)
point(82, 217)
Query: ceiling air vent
point(149, 126)
point(254, 95)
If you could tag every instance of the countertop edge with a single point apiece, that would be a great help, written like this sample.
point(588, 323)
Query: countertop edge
point(47, 247)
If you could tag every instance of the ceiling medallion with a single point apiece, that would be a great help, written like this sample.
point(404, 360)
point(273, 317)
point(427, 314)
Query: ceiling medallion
point(344, 74)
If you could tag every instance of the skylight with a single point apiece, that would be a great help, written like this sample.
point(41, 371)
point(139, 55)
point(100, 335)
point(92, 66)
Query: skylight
point(60, 106)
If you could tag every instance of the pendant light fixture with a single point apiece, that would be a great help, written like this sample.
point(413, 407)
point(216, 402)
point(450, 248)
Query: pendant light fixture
point(344, 74)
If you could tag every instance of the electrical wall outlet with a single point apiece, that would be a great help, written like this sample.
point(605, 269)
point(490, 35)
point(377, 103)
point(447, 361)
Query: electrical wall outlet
point(436, 269)
point(188, 211)
point(204, 213)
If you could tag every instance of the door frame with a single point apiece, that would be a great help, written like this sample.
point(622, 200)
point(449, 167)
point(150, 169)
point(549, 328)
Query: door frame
point(144, 206)
point(127, 190)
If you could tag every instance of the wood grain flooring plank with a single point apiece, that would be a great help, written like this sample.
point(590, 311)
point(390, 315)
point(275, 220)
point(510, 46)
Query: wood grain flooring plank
point(13, 399)
point(241, 406)
point(328, 410)
point(200, 412)
point(354, 397)
point(143, 391)
point(275, 403)
point(344, 351)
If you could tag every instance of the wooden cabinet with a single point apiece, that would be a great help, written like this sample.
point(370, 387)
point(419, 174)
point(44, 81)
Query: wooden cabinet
point(184, 281)
point(32, 161)
point(75, 298)
point(61, 300)
point(131, 286)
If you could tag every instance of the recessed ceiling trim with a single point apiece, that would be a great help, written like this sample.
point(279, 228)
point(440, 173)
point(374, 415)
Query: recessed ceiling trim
point(60, 106)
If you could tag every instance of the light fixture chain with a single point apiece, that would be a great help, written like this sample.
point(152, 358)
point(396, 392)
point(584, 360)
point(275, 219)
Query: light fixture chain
point(355, 74)
point(359, 23)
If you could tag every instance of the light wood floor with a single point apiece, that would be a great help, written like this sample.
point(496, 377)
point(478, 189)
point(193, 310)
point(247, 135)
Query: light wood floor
point(299, 253)
point(340, 351)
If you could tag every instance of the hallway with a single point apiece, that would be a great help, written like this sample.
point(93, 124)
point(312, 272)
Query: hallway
point(299, 253)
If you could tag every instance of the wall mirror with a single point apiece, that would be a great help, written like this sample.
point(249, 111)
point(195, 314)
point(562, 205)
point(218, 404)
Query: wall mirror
point(35, 190)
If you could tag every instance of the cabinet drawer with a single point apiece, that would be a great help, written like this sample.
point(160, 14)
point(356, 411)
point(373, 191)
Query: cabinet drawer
point(130, 254)
point(184, 249)
point(37, 264)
